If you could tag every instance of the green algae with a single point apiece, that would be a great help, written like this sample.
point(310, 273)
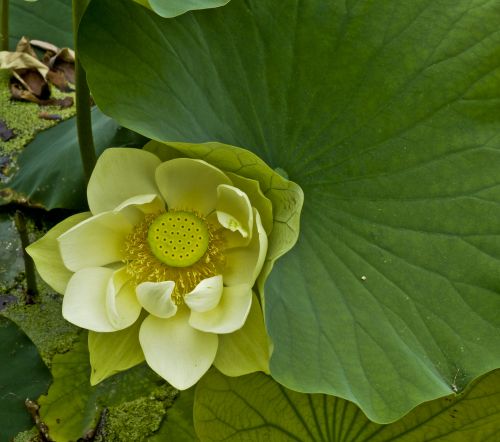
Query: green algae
point(23, 117)
point(32, 435)
point(138, 419)
point(43, 322)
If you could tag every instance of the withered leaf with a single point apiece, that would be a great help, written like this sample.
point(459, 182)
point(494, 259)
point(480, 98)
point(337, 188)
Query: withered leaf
point(24, 46)
point(45, 45)
point(21, 60)
point(61, 63)
point(67, 68)
point(30, 76)
point(63, 103)
point(19, 93)
point(47, 116)
point(33, 82)
point(59, 80)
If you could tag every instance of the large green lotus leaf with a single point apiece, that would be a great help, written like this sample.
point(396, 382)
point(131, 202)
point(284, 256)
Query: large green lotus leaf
point(173, 8)
point(50, 168)
point(43, 20)
point(386, 113)
point(72, 407)
point(23, 375)
point(256, 408)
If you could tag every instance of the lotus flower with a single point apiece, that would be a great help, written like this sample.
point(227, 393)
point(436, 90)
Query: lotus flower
point(180, 241)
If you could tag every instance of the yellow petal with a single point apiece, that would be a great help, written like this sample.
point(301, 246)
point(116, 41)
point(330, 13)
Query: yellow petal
point(247, 349)
point(244, 264)
point(188, 184)
point(257, 199)
point(95, 242)
point(134, 208)
point(176, 351)
point(45, 253)
point(156, 298)
point(229, 315)
point(113, 352)
point(206, 295)
point(235, 213)
point(121, 303)
point(84, 302)
point(121, 173)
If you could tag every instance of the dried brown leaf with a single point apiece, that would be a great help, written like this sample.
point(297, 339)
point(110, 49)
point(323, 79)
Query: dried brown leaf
point(24, 46)
point(31, 76)
point(21, 60)
point(59, 80)
point(47, 116)
point(45, 45)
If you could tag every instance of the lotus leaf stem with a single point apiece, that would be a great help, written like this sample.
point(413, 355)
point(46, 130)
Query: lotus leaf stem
point(5, 25)
point(83, 102)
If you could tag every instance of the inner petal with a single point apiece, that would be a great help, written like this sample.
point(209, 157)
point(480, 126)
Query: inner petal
point(122, 306)
point(229, 315)
point(234, 210)
point(206, 295)
point(245, 263)
point(186, 183)
point(156, 298)
point(134, 208)
point(121, 173)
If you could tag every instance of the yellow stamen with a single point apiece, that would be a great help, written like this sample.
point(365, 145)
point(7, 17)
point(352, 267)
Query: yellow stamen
point(146, 261)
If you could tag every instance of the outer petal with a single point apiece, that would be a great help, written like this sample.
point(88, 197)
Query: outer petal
point(190, 184)
point(84, 303)
point(45, 253)
point(235, 214)
point(121, 303)
point(244, 264)
point(95, 242)
point(234, 210)
point(206, 295)
point(247, 349)
point(155, 297)
point(257, 198)
point(121, 173)
point(111, 353)
point(229, 315)
point(177, 352)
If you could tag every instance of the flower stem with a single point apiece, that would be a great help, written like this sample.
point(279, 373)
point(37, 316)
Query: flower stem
point(83, 118)
point(5, 25)
point(29, 266)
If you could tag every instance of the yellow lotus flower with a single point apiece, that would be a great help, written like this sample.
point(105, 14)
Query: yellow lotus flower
point(177, 239)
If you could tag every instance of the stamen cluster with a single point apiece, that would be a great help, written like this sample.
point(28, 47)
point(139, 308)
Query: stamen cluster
point(143, 265)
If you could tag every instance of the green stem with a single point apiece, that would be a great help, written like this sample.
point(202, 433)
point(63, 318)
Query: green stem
point(29, 265)
point(83, 118)
point(5, 25)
